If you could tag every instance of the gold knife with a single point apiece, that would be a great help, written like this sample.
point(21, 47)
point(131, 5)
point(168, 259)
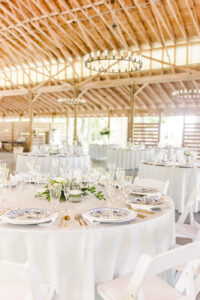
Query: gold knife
point(60, 222)
point(144, 211)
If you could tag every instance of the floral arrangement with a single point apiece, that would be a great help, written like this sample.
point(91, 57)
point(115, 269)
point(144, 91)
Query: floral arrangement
point(85, 189)
point(189, 153)
point(105, 131)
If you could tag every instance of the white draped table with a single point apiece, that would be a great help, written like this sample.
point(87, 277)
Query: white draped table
point(74, 259)
point(129, 159)
point(182, 181)
point(99, 152)
point(45, 162)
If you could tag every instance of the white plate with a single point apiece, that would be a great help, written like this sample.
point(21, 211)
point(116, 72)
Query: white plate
point(144, 191)
point(140, 204)
point(110, 215)
point(28, 216)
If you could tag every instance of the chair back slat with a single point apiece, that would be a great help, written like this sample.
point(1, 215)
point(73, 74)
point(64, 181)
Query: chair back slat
point(161, 186)
point(150, 266)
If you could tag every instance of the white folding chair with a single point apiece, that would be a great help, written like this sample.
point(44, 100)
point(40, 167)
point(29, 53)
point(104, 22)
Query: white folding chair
point(19, 282)
point(145, 285)
point(191, 230)
point(161, 186)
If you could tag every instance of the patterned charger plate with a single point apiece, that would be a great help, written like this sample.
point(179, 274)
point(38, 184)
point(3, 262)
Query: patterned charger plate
point(110, 215)
point(28, 216)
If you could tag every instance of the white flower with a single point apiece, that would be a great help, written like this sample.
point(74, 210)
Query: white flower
point(58, 179)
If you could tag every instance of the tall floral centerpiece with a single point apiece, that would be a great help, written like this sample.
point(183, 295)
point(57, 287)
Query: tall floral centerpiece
point(105, 133)
point(189, 156)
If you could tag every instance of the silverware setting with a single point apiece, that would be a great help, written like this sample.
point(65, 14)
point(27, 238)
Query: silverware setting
point(79, 218)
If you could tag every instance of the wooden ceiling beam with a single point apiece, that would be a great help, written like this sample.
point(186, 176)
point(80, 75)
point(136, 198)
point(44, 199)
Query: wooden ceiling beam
point(193, 15)
point(177, 16)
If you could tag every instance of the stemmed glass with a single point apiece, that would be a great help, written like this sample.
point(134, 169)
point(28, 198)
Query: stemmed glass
point(126, 190)
point(111, 167)
point(36, 171)
point(120, 174)
point(63, 206)
point(55, 167)
point(66, 188)
point(110, 189)
point(55, 193)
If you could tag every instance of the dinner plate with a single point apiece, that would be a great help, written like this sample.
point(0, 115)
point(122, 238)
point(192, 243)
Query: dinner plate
point(110, 215)
point(145, 191)
point(28, 216)
point(147, 203)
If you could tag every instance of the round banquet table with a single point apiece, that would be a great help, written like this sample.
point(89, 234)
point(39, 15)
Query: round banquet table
point(182, 181)
point(45, 162)
point(129, 159)
point(75, 259)
point(99, 152)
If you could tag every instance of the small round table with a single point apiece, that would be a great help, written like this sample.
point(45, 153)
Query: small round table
point(129, 159)
point(182, 180)
point(46, 162)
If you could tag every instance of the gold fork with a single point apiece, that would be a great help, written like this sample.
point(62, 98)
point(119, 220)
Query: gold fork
point(60, 222)
point(83, 220)
point(78, 219)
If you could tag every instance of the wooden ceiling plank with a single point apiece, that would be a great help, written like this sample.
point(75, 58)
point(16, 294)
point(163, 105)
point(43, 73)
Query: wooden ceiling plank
point(147, 20)
point(109, 27)
point(79, 48)
point(163, 91)
point(193, 16)
point(177, 16)
point(140, 28)
point(24, 33)
point(116, 20)
point(165, 21)
point(106, 42)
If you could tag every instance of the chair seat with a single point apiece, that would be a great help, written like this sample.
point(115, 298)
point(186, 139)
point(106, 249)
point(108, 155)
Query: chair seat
point(154, 289)
point(186, 230)
point(20, 292)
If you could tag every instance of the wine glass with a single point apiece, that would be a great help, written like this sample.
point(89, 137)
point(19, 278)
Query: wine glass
point(110, 189)
point(120, 174)
point(55, 193)
point(111, 167)
point(54, 167)
point(66, 188)
point(126, 190)
point(63, 206)
point(110, 176)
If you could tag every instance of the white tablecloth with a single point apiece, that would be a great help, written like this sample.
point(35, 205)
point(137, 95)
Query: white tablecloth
point(127, 158)
point(74, 259)
point(99, 152)
point(182, 181)
point(45, 162)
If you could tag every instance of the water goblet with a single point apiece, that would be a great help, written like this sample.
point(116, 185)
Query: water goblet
point(126, 190)
point(111, 167)
point(110, 189)
point(55, 193)
point(55, 167)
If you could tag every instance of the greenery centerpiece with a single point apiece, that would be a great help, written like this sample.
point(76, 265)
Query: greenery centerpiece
point(85, 188)
point(189, 153)
point(189, 156)
point(105, 131)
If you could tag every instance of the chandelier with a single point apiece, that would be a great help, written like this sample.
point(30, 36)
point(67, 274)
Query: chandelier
point(113, 61)
point(72, 101)
point(185, 94)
